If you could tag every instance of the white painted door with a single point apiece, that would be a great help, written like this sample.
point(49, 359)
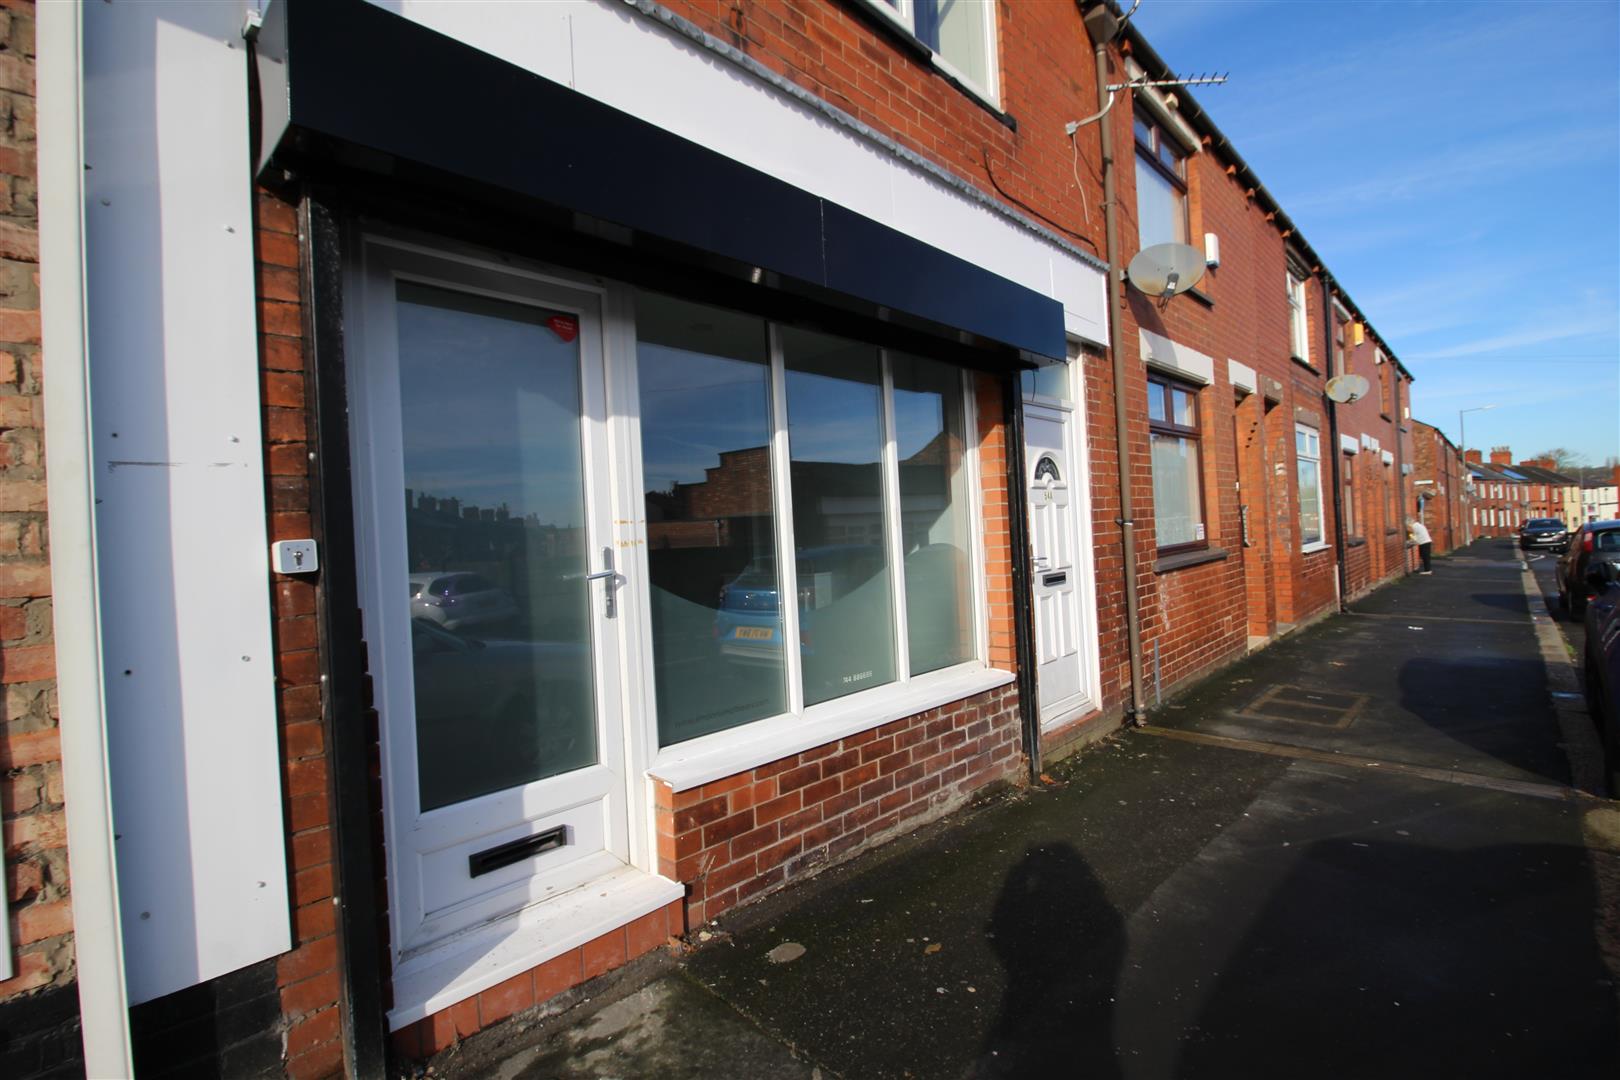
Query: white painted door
point(483, 525)
point(1060, 578)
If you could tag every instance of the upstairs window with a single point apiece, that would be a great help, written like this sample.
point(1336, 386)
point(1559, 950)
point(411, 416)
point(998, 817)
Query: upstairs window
point(1178, 502)
point(1298, 325)
point(961, 33)
point(1161, 185)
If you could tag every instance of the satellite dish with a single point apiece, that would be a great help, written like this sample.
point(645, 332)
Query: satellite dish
point(1347, 388)
point(1166, 269)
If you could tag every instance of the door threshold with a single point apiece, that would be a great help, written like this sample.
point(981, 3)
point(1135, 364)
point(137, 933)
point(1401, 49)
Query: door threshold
point(467, 964)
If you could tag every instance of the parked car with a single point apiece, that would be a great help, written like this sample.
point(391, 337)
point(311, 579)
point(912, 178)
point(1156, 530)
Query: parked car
point(1602, 664)
point(1543, 533)
point(456, 599)
point(1596, 541)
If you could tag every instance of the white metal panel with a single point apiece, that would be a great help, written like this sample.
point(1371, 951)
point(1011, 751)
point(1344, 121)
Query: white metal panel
point(1241, 376)
point(614, 55)
point(191, 719)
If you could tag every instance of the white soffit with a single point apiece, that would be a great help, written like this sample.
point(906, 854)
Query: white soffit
point(610, 53)
point(1242, 376)
point(185, 617)
point(1160, 352)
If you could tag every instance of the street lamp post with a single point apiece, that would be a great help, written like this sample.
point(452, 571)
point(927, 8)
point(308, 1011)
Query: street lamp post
point(1462, 442)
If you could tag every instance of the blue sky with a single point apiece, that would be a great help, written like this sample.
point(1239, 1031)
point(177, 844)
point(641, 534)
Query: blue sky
point(1457, 166)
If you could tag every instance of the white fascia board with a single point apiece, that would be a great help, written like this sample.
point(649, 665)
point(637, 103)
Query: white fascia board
point(1388, 458)
point(1242, 376)
point(612, 54)
point(1349, 445)
point(1160, 352)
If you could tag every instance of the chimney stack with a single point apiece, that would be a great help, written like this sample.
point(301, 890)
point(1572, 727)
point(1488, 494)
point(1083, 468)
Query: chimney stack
point(1473, 457)
point(1501, 455)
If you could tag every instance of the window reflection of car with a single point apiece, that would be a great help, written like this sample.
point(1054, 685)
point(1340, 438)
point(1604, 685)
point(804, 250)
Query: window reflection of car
point(497, 712)
point(748, 625)
point(459, 598)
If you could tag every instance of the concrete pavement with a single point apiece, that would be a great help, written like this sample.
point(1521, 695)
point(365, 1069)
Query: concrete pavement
point(1355, 853)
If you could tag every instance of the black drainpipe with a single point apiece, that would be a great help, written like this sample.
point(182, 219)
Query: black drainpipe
point(1029, 712)
point(1333, 436)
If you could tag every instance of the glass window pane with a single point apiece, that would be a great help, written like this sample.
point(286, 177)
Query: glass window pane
point(1156, 409)
point(495, 538)
point(1175, 490)
point(1161, 217)
point(1048, 380)
point(1144, 132)
point(1310, 503)
point(929, 432)
point(711, 540)
point(1186, 406)
point(1170, 156)
point(959, 31)
point(835, 432)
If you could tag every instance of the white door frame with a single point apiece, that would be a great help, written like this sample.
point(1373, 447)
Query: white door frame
point(413, 838)
point(1077, 452)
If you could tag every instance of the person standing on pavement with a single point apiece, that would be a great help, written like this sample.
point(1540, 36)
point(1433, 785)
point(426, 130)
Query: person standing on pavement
point(1418, 533)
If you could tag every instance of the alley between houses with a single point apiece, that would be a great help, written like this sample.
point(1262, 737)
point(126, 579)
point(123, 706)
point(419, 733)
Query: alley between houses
point(1357, 853)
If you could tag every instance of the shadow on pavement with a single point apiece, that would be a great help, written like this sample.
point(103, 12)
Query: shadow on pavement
point(1060, 943)
point(1475, 963)
point(1493, 704)
point(1512, 602)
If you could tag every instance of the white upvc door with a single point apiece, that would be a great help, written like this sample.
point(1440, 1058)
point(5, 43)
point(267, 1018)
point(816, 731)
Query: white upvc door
point(1062, 589)
point(483, 521)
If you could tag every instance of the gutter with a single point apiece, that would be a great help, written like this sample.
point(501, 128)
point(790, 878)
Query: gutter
point(98, 942)
point(1338, 453)
point(1029, 711)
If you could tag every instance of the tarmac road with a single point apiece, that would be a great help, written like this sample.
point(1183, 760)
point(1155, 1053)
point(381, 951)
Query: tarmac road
point(1357, 853)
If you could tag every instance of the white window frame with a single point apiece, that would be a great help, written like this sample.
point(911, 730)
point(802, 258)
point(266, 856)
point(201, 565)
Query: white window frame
point(903, 14)
point(687, 764)
point(1320, 544)
point(1299, 325)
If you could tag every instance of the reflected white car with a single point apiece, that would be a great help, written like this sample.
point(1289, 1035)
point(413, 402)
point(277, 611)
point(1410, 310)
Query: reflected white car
point(459, 598)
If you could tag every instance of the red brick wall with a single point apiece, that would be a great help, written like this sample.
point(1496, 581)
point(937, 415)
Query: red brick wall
point(308, 974)
point(740, 837)
point(34, 830)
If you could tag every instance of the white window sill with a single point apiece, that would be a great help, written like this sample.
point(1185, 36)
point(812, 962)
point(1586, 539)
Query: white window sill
point(726, 753)
point(487, 956)
point(1321, 545)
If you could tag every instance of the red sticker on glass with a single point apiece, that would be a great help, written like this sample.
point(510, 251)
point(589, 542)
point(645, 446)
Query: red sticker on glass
point(564, 326)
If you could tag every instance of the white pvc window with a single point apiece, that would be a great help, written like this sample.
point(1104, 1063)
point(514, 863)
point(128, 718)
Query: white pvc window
point(961, 33)
point(1308, 452)
point(1298, 324)
point(811, 518)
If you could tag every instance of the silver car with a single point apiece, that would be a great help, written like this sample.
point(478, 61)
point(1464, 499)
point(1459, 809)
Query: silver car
point(455, 599)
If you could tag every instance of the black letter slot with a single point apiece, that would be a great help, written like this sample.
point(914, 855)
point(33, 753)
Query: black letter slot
point(1055, 579)
point(506, 854)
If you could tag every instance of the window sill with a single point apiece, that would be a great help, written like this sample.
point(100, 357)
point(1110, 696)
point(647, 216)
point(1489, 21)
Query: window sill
point(726, 753)
point(889, 25)
point(1184, 559)
point(1201, 296)
point(1307, 365)
point(1355, 541)
point(1311, 549)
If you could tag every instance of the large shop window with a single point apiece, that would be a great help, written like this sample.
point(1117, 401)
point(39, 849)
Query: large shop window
point(1161, 186)
point(1308, 454)
point(1178, 507)
point(852, 458)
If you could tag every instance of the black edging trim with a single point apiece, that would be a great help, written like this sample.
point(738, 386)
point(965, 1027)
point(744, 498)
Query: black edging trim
point(1188, 558)
point(1029, 711)
point(343, 650)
